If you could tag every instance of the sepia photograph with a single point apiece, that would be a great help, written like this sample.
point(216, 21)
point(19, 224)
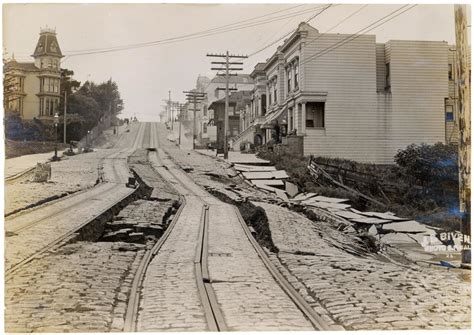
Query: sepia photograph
point(245, 166)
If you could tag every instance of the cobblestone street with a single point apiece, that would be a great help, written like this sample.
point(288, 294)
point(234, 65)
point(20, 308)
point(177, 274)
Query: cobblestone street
point(357, 293)
point(79, 288)
point(86, 286)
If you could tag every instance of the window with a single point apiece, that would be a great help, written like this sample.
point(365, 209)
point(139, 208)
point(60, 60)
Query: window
point(204, 128)
point(47, 107)
point(296, 74)
point(41, 106)
point(387, 76)
point(288, 76)
point(264, 104)
point(275, 91)
point(449, 113)
point(315, 115)
point(450, 71)
point(204, 110)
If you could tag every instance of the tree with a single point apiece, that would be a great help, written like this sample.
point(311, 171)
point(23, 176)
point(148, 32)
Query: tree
point(106, 95)
point(69, 85)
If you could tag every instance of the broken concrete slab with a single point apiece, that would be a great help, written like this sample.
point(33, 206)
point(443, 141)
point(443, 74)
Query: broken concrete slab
point(291, 189)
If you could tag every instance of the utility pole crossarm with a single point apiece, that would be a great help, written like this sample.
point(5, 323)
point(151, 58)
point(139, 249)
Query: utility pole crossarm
point(226, 67)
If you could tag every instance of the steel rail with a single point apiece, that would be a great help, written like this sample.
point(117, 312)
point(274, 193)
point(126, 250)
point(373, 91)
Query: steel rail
point(74, 204)
point(9, 272)
point(17, 266)
point(110, 156)
point(131, 315)
point(212, 311)
point(315, 319)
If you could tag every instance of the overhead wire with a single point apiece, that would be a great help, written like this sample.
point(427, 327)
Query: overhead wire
point(290, 32)
point(195, 35)
point(199, 32)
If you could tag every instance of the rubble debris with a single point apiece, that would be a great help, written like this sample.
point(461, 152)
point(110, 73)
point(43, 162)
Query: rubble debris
point(304, 196)
point(291, 189)
point(327, 199)
point(250, 168)
point(281, 194)
point(42, 173)
point(280, 174)
point(327, 205)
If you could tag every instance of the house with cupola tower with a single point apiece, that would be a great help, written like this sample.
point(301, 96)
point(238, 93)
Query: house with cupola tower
point(34, 87)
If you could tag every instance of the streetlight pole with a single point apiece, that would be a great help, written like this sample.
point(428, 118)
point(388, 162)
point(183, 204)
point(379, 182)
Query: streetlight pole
point(56, 122)
point(65, 104)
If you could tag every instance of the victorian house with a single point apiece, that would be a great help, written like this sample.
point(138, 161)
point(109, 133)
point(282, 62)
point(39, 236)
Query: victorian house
point(33, 88)
point(346, 96)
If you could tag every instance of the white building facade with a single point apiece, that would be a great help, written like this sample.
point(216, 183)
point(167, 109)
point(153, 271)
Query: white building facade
point(351, 97)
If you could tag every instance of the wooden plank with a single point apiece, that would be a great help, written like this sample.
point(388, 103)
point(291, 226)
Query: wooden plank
point(266, 175)
point(327, 205)
point(348, 214)
point(304, 196)
point(327, 199)
point(409, 226)
point(249, 168)
point(268, 188)
point(384, 216)
point(281, 194)
point(370, 221)
point(272, 182)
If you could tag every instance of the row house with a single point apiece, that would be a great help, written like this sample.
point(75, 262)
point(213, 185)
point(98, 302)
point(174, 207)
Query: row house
point(34, 87)
point(346, 96)
point(215, 90)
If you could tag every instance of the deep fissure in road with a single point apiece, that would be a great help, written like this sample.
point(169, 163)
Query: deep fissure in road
point(84, 284)
point(253, 216)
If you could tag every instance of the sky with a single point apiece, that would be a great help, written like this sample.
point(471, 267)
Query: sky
point(145, 75)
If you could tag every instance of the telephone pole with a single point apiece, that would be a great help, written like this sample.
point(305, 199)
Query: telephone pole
point(194, 97)
point(65, 104)
point(182, 108)
point(463, 111)
point(227, 75)
point(169, 109)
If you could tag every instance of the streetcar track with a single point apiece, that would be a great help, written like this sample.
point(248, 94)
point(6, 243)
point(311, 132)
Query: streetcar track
point(212, 311)
point(112, 156)
point(70, 233)
point(211, 308)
